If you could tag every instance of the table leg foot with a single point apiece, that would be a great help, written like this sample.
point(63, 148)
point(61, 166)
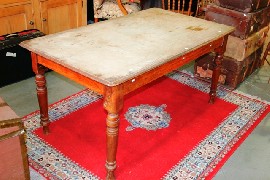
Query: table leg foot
point(212, 98)
point(110, 170)
point(45, 129)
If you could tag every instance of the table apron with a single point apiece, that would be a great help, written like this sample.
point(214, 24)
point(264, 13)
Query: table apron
point(170, 66)
point(73, 75)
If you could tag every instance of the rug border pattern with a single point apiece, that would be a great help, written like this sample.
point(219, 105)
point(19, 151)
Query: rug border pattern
point(197, 164)
point(201, 161)
point(45, 159)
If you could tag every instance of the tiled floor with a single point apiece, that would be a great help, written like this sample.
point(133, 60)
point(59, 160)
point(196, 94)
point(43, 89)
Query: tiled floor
point(251, 161)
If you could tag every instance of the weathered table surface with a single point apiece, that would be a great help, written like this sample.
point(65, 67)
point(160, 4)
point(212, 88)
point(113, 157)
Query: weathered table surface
point(117, 56)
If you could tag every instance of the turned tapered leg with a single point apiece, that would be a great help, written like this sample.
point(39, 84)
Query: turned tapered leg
point(113, 103)
point(217, 68)
point(42, 98)
point(215, 77)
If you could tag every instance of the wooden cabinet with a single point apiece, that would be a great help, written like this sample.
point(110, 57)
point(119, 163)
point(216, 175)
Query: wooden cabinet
point(59, 15)
point(15, 15)
point(49, 16)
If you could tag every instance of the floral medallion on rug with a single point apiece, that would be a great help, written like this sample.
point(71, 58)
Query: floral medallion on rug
point(147, 117)
point(201, 161)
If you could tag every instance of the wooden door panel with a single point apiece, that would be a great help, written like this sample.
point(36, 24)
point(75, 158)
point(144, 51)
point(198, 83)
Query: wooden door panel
point(16, 18)
point(60, 15)
point(62, 18)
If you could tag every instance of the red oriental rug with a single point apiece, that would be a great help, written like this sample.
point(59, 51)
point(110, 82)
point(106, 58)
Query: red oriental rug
point(167, 131)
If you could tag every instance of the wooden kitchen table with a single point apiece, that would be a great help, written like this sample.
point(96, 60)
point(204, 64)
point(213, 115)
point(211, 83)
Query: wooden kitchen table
point(118, 56)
